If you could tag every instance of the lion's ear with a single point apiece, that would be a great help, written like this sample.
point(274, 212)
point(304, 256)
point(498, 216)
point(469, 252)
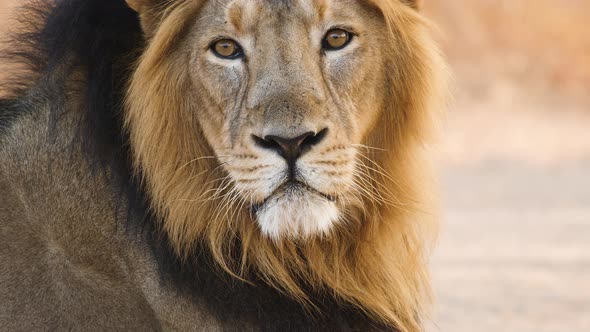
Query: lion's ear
point(148, 16)
point(416, 4)
point(139, 5)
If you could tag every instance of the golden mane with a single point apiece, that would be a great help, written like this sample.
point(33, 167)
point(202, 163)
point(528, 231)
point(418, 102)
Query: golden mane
point(377, 262)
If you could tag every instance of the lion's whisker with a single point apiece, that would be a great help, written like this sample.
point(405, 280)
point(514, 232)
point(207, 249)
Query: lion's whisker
point(367, 147)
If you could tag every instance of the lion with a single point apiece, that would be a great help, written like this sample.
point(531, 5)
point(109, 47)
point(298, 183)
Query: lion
point(218, 165)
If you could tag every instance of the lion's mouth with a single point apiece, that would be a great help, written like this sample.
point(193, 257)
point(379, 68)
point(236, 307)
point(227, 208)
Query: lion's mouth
point(289, 189)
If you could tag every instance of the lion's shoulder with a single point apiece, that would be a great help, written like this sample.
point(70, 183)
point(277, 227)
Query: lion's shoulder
point(62, 246)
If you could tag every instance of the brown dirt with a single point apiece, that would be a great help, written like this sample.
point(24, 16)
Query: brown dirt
point(514, 253)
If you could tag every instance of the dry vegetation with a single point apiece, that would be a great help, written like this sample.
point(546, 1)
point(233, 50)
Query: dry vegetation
point(541, 44)
point(522, 78)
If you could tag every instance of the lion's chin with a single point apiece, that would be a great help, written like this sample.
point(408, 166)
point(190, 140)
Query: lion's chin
point(297, 214)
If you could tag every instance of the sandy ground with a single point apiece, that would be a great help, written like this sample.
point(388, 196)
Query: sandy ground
point(514, 253)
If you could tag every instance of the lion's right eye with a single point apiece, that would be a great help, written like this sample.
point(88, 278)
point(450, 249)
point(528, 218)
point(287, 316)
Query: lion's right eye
point(227, 49)
point(336, 39)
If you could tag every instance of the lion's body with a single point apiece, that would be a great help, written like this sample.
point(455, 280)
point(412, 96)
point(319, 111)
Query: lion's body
point(65, 263)
point(116, 212)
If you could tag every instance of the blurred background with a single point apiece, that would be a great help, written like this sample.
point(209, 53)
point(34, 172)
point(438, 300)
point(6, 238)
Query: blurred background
point(514, 253)
point(514, 161)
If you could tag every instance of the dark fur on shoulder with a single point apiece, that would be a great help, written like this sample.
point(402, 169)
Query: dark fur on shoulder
point(95, 41)
point(82, 52)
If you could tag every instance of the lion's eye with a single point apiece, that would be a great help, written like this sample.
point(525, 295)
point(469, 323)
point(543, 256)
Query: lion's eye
point(226, 49)
point(336, 39)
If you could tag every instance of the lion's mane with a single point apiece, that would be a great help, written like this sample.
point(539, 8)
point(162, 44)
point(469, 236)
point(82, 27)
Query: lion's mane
point(376, 261)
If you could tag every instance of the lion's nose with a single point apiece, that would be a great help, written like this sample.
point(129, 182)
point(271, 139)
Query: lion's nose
point(293, 147)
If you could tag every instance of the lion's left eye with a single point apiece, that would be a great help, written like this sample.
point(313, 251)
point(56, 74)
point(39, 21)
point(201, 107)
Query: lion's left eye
point(336, 39)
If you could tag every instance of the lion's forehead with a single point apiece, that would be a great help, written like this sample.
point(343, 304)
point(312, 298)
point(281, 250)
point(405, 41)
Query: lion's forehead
point(294, 8)
point(251, 15)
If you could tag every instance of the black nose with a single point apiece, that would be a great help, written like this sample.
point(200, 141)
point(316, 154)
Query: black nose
point(291, 148)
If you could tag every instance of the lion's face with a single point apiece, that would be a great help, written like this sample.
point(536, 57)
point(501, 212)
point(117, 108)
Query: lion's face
point(257, 123)
point(286, 91)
